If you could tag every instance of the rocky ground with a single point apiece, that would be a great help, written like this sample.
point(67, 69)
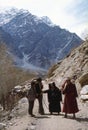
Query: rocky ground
point(20, 120)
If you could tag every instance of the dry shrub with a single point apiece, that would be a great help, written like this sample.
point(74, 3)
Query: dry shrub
point(51, 71)
point(10, 75)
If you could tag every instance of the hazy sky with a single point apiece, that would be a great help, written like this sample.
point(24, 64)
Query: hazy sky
point(69, 14)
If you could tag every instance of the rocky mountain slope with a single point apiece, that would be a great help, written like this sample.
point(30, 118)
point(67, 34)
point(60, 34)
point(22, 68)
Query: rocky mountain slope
point(36, 41)
point(5, 37)
point(75, 65)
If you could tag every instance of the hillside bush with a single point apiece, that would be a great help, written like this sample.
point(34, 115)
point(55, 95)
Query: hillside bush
point(51, 70)
point(10, 75)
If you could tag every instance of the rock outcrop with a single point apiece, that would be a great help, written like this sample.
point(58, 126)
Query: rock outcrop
point(84, 93)
point(75, 65)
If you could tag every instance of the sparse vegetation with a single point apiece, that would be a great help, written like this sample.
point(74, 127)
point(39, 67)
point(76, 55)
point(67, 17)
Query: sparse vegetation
point(10, 75)
point(52, 69)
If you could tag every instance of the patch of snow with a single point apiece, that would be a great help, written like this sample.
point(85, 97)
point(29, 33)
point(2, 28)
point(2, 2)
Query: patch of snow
point(8, 10)
point(46, 20)
point(27, 65)
point(61, 50)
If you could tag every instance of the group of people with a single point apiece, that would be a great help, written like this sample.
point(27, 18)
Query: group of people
point(54, 95)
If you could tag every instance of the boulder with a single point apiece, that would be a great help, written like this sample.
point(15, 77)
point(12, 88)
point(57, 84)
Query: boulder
point(84, 90)
point(83, 80)
point(84, 93)
point(2, 126)
point(84, 97)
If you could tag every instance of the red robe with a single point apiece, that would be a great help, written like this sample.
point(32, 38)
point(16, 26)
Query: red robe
point(70, 102)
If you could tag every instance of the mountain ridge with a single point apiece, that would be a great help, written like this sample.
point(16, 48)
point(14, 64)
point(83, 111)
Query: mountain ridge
point(38, 40)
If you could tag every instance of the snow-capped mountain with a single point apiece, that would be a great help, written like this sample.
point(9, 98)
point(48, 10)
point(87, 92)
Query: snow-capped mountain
point(37, 41)
point(6, 14)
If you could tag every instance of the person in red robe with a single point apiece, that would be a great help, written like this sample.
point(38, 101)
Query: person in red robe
point(70, 103)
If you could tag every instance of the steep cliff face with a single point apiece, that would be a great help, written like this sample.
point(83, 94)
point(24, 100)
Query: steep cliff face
point(75, 65)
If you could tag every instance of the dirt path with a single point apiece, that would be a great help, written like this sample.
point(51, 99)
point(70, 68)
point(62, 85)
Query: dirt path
point(58, 122)
point(55, 122)
point(49, 122)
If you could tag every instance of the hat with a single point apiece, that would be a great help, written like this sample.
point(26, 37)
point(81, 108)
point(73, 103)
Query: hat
point(39, 79)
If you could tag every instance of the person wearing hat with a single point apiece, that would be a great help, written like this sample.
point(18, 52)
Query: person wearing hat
point(54, 98)
point(39, 87)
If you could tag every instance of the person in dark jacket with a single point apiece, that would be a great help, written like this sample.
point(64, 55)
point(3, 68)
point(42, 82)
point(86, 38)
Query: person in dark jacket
point(39, 87)
point(31, 98)
point(54, 98)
